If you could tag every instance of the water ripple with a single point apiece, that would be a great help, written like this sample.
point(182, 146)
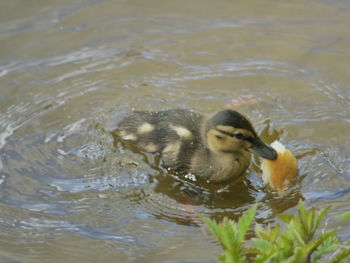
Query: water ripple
point(68, 186)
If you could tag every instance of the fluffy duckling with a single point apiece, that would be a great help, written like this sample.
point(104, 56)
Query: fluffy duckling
point(216, 149)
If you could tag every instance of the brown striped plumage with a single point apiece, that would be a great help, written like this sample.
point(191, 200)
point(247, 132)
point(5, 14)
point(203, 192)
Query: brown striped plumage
point(216, 149)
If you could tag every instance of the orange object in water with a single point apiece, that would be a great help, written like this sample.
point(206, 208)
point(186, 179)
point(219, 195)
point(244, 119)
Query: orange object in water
point(279, 173)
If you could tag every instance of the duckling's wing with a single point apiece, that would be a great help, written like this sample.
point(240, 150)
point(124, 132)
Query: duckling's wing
point(182, 123)
point(173, 133)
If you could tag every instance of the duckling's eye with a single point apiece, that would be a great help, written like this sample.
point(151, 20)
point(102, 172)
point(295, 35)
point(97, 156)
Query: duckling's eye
point(239, 136)
point(219, 137)
point(249, 139)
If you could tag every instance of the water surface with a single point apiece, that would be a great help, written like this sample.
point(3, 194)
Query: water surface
point(69, 70)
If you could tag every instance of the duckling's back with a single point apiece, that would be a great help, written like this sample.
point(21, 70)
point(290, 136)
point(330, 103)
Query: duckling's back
point(175, 134)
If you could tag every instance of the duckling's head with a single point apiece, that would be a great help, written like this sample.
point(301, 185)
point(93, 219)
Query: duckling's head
point(228, 131)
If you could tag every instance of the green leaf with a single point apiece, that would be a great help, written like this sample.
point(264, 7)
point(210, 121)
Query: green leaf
point(302, 212)
point(343, 255)
point(268, 234)
point(231, 235)
point(326, 243)
point(227, 231)
point(262, 245)
point(297, 256)
point(319, 218)
point(309, 221)
point(286, 218)
point(344, 216)
point(212, 225)
point(275, 232)
point(231, 256)
point(245, 222)
point(296, 230)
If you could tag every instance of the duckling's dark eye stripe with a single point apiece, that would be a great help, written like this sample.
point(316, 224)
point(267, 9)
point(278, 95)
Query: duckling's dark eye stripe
point(239, 136)
point(228, 133)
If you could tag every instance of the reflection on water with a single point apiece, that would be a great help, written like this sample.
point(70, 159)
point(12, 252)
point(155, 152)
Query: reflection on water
point(70, 70)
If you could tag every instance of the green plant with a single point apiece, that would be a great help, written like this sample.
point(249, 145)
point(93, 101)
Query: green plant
point(298, 243)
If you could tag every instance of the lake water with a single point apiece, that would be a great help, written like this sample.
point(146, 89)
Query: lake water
point(69, 70)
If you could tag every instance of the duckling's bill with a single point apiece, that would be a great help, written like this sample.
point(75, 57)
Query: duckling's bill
point(279, 173)
point(262, 149)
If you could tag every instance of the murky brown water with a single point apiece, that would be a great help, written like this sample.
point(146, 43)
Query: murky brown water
point(69, 70)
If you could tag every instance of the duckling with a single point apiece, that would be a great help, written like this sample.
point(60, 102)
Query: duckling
point(215, 149)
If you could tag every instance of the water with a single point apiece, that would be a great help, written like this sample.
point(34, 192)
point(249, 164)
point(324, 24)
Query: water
point(69, 70)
